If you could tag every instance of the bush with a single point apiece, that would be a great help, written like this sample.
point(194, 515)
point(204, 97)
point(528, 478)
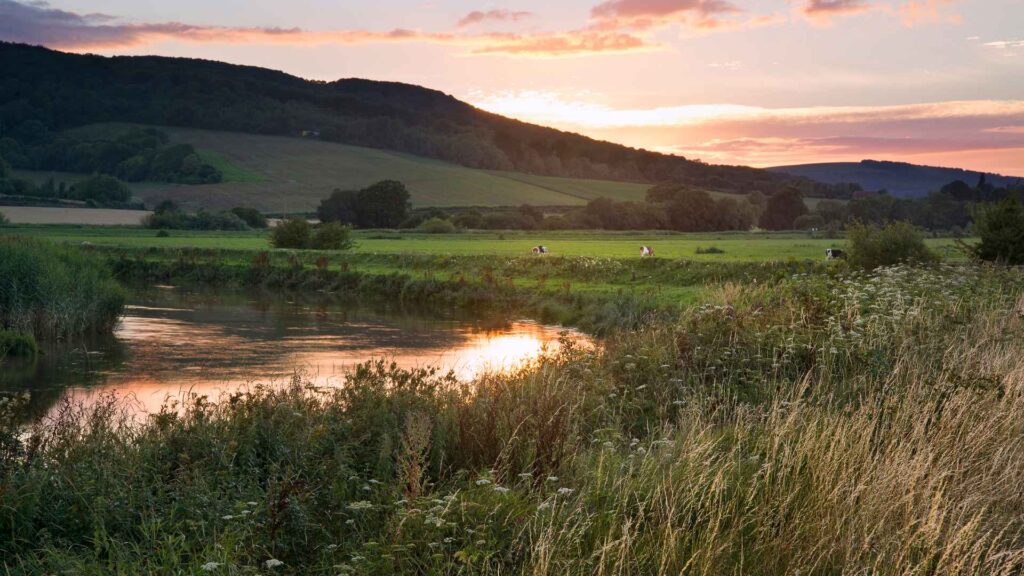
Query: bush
point(102, 189)
point(163, 234)
point(17, 344)
point(3, 220)
point(291, 233)
point(331, 236)
point(52, 291)
point(437, 226)
point(468, 220)
point(251, 216)
point(710, 250)
point(809, 222)
point(873, 246)
point(555, 222)
point(1000, 228)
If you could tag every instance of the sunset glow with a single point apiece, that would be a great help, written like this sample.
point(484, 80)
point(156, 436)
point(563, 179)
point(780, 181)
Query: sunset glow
point(756, 82)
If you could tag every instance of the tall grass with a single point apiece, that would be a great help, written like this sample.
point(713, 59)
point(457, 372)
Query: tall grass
point(52, 291)
point(858, 424)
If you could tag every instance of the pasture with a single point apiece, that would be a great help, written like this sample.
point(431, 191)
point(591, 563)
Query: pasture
point(736, 247)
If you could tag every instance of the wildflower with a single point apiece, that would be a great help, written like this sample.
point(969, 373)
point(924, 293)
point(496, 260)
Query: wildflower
point(526, 475)
point(565, 491)
point(501, 489)
point(360, 505)
point(227, 517)
point(448, 540)
point(332, 546)
point(608, 445)
point(350, 521)
point(251, 504)
point(210, 566)
point(480, 542)
point(483, 482)
point(544, 506)
point(273, 563)
point(552, 478)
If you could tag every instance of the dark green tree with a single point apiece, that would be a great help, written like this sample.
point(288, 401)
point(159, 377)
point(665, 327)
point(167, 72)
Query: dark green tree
point(782, 210)
point(1000, 229)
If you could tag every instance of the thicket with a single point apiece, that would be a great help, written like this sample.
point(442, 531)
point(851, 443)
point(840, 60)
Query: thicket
point(51, 291)
point(1000, 230)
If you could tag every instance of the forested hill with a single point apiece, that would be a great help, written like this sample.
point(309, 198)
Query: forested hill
point(45, 91)
point(898, 178)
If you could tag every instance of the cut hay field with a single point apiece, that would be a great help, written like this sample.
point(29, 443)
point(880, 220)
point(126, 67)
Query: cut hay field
point(60, 215)
point(754, 247)
point(280, 174)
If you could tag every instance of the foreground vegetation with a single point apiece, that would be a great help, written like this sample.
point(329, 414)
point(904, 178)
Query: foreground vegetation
point(818, 424)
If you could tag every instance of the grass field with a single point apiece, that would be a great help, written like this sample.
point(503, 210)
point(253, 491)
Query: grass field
point(280, 174)
point(736, 246)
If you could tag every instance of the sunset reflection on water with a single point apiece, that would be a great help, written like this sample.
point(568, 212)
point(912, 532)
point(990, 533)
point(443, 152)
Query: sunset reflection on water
point(208, 347)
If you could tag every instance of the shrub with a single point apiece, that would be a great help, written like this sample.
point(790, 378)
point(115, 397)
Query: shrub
point(331, 236)
point(1000, 228)
point(555, 222)
point(251, 216)
point(291, 233)
point(3, 220)
point(17, 344)
point(872, 246)
point(436, 226)
point(710, 250)
point(809, 222)
point(52, 291)
point(101, 188)
point(468, 220)
point(163, 234)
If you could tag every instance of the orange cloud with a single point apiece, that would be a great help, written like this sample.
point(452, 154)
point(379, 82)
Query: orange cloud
point(915, 12)
point(647, 14)
point(478, 17)
point(568, 44)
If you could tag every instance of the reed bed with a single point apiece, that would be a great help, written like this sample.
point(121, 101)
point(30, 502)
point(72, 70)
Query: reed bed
point(825, 424)
point(51, 291)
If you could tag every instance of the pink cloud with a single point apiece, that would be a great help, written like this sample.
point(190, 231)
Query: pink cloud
point(915, 12)
point(479, 17)
point(822, 11)
point(42, 25)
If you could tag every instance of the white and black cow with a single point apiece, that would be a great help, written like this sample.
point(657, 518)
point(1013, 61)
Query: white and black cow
point(646, 251)
point(834, 253)
point(540, 249)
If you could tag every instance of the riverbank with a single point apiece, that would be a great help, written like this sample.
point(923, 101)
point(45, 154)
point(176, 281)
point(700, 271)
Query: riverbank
point(824, 423)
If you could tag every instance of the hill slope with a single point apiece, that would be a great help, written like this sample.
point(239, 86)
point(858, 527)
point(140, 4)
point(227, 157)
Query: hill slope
point(46, 91)
point(900, 179)
point(279, 174)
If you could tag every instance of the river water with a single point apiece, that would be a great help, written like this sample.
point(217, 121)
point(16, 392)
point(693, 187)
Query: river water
point(172, 341)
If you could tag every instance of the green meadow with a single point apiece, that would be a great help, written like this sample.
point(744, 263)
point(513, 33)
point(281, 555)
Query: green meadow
point(736, 247)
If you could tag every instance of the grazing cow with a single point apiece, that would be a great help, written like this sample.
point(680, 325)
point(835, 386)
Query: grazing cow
point(540, 249)
point(646, 251)
point(833, 253)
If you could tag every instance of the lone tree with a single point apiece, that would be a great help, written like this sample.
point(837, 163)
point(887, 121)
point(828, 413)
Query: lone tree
point(382, 205)
point(782, 210)
point(1000, 228)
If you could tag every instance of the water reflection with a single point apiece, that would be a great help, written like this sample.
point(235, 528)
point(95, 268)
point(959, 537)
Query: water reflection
point(172, 341)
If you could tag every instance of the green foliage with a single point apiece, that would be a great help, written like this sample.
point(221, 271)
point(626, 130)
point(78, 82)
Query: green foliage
point(382, 205)
point(782, 209)
point(437, 226)
point(1000, 228)
point(809, 222)
point(871, 246)
point(167, 216)
point(295, 233)
point(5, 168)
point(251, 216)
point(101, 189)
point(710, 250)
point(17, 344)
point(331, 236)
point(53, 291)
point(3, 220)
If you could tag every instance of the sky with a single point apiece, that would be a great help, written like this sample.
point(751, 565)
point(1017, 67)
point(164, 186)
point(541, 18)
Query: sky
point(754, 82)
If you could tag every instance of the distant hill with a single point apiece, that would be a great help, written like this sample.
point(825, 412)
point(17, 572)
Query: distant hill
point(45, 91)
point(900, 179)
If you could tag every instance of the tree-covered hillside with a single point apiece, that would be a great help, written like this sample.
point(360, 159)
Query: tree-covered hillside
point(45, 91)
